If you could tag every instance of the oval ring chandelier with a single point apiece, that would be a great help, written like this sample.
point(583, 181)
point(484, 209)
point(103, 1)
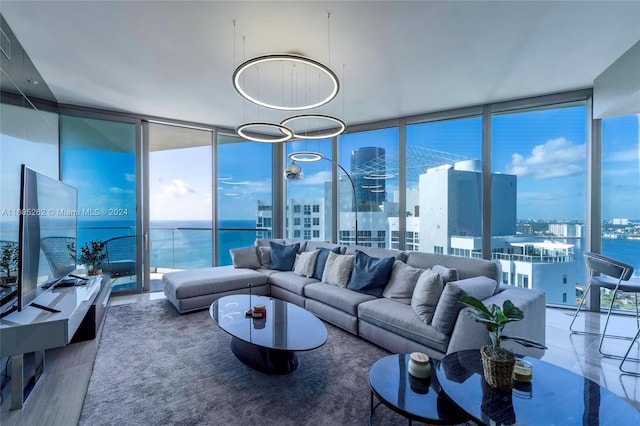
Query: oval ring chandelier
point(295, 60)
point(319, 135)
point(241, 130)
point(305, 156)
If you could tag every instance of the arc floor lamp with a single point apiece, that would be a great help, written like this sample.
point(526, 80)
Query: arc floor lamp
point(294, 172)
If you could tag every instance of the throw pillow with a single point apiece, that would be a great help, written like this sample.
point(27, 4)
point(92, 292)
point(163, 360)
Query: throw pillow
point(426, 295)
point(444, 319)
point(370, 274)
point(447, 274)
point(321, 260)
point(264, 253)
point(305, 263)
point(283, 257)
point(245, 257)
point(337, 269)
point(402, 282)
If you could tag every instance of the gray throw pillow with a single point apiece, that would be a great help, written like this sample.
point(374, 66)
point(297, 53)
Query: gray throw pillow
point(449, 306)
point(402, 282)
point(245, 257)
point(264, 253)
point(447, 274)
point(337, 269)
point(426, 294)
point(305, 263)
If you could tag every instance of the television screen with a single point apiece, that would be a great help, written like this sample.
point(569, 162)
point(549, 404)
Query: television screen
point(48, 226)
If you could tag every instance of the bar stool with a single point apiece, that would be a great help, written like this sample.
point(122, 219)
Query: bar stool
point(611, 274)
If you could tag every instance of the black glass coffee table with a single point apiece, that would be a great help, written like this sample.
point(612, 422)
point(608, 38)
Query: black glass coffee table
point(555, 396)
point(415, 399)
point(268, 344)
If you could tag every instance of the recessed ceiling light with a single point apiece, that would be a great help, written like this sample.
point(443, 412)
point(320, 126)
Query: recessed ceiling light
point(32, 81)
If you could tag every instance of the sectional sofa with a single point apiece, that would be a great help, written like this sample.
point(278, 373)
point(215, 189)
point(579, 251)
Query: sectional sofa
point(415, 308)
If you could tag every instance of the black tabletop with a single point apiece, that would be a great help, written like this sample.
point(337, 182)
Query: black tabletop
point(285, 327)
point(418, 399)
point(555, 396)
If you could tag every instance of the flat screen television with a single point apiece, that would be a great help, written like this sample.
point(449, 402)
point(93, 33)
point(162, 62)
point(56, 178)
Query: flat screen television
point(47, 233)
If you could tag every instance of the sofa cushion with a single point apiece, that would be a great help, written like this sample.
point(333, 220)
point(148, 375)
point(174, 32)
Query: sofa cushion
point(282, 256)
point(447, 274)
point(426, 295)
point(337, 270)
point(400, 319)
point(245, 257)
point(402, 281)
point(198, 282)
point(321, 260)
point(449, 306)
point(370, 274)
point(337, 297)
point(378, 252)
point(264, 254)
point(301, 248)
point(290, 281)
point(267, 243)
point(467, 267)
point(314, 245)
point(305, 263)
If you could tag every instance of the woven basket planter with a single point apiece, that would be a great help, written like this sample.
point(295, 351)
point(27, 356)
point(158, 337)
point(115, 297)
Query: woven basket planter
point(498, 370)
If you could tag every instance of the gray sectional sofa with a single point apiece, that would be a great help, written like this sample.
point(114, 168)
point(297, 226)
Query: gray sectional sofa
point(389, 321)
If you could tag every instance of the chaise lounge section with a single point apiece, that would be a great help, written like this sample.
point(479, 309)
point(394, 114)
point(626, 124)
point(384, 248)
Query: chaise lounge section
point(388, 316)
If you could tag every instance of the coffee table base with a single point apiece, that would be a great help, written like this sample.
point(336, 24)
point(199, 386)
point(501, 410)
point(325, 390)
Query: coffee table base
point(270, 361)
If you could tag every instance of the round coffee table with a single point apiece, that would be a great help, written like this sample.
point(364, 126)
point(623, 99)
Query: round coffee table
point(268, 344)
point(554, 396)
point(415, 399)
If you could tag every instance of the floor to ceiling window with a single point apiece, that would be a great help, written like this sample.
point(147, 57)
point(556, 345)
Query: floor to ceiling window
point(180, 199)
point(371, 159)
point(621, 197)
point(539, 155)
point(98, 157)
point(244, 187)
point(444, 187)
point(308, 200)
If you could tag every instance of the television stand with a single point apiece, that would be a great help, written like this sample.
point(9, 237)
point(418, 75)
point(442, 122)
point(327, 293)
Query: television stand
point(58, 317)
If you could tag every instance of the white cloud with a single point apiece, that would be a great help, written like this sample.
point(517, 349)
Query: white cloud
point(130, 177)
point(556, 158)
point(317, 178)
point(177, 188)
point(543, 196)
point(631, 154)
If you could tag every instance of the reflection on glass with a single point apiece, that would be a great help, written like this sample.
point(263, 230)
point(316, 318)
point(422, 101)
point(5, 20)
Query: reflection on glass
point(98, 157)
point(371, 157)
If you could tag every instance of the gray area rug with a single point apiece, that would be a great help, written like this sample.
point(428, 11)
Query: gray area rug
point(157, 367)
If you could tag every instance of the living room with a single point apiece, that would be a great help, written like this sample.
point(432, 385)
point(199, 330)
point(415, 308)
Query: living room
point(520, 114)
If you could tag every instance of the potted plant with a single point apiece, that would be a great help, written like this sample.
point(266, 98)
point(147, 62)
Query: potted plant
point(92, 254)
point(497, 362)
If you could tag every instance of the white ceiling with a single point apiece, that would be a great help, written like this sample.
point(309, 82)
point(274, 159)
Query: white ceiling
point(174, 59)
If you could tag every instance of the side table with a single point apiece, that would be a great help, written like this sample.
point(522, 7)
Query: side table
point(555, 396)
point(416, 399)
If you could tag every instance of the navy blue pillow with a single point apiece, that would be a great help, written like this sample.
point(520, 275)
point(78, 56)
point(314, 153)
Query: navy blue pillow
point(321, 260)
point(283, 257)
point(370, 274)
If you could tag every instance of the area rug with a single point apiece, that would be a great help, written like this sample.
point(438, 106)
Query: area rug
point(157, 367)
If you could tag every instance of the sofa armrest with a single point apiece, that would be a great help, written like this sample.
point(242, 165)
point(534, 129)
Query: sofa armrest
point(468, 334)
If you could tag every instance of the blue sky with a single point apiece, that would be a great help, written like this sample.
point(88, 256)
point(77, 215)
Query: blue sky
point(544, 148)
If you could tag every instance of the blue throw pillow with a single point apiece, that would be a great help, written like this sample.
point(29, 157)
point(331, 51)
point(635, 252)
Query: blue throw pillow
point(370, 274)
point(321, 260)
point(283, 257)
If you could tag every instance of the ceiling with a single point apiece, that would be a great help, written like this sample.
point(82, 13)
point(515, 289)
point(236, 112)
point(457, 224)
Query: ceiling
point(174, 59)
